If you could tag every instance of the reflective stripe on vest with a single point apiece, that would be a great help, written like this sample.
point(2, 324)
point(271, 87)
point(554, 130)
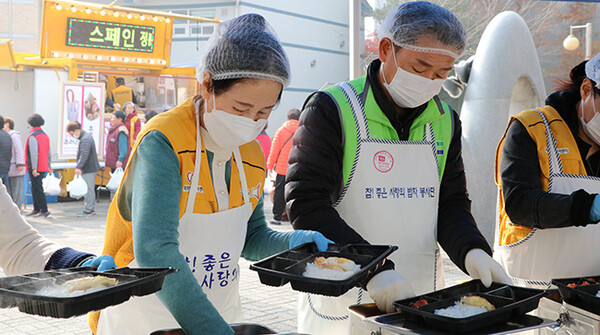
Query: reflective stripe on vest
point(437, 112)
point(509, 232)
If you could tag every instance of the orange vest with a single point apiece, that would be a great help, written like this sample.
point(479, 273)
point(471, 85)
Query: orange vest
point(121, 95)
point(179, 126)
point(509, 232)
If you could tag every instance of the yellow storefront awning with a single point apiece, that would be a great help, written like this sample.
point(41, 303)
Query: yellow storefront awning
point(7, 57)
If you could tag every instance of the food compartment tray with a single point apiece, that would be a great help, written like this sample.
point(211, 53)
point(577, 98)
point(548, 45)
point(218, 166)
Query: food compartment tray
point(22, 291)
point(509, 301)
point(582, 296)
point(289, 266)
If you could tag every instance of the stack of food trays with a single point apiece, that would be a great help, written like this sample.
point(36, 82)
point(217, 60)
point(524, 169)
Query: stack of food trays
point(291, 266)
point(52, 293)
point(433, 309)
point(582, 292)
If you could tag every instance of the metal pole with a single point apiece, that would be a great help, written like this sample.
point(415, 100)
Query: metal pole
point(10, 19)
point(355, 39)
point(588, 41)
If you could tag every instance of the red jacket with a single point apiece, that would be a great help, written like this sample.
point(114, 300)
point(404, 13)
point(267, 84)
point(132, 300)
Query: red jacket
point(112, 146)
point(42, 153)
point(281, 146)
point(265, 144)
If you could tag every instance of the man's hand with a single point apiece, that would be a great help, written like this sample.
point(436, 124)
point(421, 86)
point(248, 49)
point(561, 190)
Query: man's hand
point(481, 266)
point(119, 164)
point(35, 173)
point(387, 287)
point(78, 172)
point(20, 168)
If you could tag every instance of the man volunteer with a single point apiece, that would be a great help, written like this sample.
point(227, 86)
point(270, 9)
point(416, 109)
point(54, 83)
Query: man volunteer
point(378, 159)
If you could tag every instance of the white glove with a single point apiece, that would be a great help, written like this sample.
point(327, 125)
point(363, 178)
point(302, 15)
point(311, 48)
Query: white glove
point(481, 266)
point(387, 287)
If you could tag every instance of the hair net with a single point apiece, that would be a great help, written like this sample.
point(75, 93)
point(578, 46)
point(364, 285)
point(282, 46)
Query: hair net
point(592, 69)
point(245, 47)
point(407, 22)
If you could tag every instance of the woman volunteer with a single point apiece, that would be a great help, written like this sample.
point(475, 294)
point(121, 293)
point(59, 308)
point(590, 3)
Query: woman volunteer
point(548, 166)
point(191, 197)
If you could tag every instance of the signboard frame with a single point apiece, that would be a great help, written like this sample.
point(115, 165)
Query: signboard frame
point(83, 102)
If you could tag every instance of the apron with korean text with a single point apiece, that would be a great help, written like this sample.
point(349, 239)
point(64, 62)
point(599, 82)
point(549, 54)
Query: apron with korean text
point(212, 245)
point(390, 198)
point(546, 254)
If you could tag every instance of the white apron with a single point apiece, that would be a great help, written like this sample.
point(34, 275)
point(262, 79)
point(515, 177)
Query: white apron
point(391, 198)
point(216, 240)
point(545, 254)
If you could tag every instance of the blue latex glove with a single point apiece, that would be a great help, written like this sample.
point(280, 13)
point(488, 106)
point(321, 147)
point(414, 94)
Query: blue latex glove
point(104, 262)
point(300, 237)
point(595, 210)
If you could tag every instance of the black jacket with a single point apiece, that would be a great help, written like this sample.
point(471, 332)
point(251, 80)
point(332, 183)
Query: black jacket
point(314, 177)
point(526, 203)
point(87, 158)
point(5, 151)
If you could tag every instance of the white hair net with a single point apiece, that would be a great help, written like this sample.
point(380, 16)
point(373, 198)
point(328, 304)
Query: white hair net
point(245, 47)
point(405, 23)
point(592, 69)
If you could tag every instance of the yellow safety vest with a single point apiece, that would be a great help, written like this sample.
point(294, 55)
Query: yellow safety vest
point(132, 137)
point(570, 157)
point(121, 95)
point(179, 126)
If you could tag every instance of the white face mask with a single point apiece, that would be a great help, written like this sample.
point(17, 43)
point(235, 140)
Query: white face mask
point(410, 90)
point(592, 128)
point(229, 131)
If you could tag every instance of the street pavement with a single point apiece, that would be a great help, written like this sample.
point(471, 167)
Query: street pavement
point(274, 307)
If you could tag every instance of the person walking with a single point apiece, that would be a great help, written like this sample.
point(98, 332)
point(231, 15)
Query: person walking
point(278, 161)
point(5, 153)
point(16, 174)
point(87, 164)
point(37, 161)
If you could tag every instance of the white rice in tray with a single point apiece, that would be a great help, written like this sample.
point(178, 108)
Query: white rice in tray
point(460, 310)
point(313, 271)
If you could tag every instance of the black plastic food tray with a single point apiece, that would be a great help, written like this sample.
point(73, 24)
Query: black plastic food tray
point(509, 301)
point(581, 296)
point(21, 290)
point(288, 266)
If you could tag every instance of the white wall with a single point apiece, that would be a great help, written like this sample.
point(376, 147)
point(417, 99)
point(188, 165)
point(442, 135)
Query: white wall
point(16, 94)
point(46, 102)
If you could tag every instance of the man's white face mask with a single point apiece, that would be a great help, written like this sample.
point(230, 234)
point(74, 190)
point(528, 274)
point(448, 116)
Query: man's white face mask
point(410, 90)
point(229, 131)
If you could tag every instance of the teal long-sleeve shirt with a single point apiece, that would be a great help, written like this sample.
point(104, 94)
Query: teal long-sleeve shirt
point(153, 205)
point(122, 147)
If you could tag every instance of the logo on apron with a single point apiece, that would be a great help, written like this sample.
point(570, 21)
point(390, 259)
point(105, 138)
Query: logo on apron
point(255, 191)
point(383, 161)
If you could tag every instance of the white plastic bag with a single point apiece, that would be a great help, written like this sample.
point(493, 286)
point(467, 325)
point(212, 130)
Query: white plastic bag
point(51, 185)
point(115, 179)
point(77, 187)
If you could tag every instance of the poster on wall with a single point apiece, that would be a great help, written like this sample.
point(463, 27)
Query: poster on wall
point(82, 102)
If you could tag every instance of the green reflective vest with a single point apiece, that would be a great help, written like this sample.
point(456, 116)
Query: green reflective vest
point(437, 112)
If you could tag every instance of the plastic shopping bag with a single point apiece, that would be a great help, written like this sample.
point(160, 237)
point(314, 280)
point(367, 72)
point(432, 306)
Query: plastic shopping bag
point(77, 188)
point(115, 179)
point(51, 185)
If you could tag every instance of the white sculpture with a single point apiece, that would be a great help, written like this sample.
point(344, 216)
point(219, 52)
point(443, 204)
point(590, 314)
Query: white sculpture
point(505, 78)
